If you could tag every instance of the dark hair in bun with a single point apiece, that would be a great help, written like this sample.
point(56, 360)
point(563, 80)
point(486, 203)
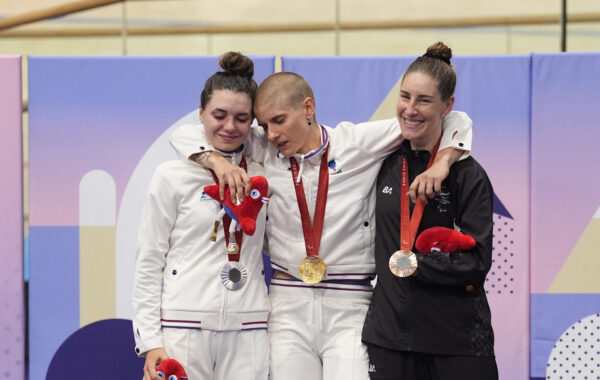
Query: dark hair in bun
point(237, 63)
point(436, 63)
point(237, 76)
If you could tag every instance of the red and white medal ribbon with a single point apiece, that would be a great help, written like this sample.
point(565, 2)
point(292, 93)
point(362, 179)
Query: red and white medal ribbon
point(403, 263)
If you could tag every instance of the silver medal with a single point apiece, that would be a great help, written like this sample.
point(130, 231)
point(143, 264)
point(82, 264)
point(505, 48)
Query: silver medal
point(234, 275)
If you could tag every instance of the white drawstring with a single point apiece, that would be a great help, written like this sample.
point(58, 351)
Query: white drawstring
point(300, 171)
point(233, 227)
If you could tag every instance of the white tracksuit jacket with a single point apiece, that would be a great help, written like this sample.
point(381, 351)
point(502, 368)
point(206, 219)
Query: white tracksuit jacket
point(356, 152)
point(177, 276)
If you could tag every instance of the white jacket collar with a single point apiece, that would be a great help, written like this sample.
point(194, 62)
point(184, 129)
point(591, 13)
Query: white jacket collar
point(314, 156)
point(234, 156)
point(313, 153)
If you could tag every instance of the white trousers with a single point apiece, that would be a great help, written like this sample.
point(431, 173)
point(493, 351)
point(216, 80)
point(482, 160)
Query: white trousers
point(316, 333)
point(219, 355)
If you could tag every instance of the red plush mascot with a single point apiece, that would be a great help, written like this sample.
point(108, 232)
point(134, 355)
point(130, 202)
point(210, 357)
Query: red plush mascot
point(442, 239)
point(171, 369)
point(246, 212)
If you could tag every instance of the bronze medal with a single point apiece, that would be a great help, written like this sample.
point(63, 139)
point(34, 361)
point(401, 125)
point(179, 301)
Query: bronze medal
point(403, 263)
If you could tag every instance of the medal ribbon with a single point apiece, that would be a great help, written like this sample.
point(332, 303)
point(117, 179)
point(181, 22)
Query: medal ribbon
point(239, 234)
point(410, 224)
point(312, 232)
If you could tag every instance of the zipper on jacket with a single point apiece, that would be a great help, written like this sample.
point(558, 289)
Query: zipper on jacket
point(223, 310)
point(410, 317)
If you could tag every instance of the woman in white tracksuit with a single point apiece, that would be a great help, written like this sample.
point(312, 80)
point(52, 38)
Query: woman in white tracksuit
point(182, 307)
point(315, 328)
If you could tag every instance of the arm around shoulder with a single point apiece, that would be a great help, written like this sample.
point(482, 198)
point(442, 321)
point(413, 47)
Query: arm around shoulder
point(189, 141)
point(455, 145)
point(377, 139)
point(457, 132)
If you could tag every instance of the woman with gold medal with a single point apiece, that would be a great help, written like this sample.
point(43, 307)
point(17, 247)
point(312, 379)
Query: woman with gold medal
point(429, 318)
point(201, 298)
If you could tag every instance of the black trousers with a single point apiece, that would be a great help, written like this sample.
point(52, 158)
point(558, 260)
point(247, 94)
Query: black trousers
point(385, 364)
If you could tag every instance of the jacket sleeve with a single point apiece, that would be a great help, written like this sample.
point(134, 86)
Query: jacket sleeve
point(158, 219)
point(474, 218)
point(381, 138)
point(457, 132)
point(189, 139)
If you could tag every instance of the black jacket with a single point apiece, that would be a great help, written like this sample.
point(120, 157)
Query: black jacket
point(442, 308)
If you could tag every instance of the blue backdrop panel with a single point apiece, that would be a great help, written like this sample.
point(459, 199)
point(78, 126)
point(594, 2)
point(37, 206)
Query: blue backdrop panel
point(348, 88)
point(495, 92)
point(565, 216)
point(53, 292)
point(83, 108)
point(90, 113)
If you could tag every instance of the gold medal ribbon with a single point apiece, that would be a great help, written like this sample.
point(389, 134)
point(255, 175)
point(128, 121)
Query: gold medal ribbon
point(312, 232)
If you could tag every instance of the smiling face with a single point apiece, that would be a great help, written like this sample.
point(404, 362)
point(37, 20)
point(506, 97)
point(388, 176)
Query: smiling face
point(227, 118)
point(287, 127)
point(420, 110)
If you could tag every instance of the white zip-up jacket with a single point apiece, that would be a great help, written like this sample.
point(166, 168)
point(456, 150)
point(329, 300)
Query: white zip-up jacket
point(177, 276)
point(356, 152)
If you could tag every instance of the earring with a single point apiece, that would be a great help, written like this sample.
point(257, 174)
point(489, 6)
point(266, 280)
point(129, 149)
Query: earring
point(309, 123)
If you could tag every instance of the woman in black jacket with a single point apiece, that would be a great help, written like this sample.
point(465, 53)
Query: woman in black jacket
point(429, 317)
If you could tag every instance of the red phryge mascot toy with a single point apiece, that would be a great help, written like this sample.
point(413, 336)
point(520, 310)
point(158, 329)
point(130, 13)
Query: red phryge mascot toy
point(238, 219)
point(246, 212)
point(171, 369)
point(442, 239)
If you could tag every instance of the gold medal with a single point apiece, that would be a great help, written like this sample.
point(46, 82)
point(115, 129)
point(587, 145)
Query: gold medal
point(312, 269)
point(234, 275)
point(403, 263)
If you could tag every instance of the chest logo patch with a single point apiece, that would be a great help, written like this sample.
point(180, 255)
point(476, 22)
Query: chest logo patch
point(387, 190)
point(442, 201)
point(333, 169)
